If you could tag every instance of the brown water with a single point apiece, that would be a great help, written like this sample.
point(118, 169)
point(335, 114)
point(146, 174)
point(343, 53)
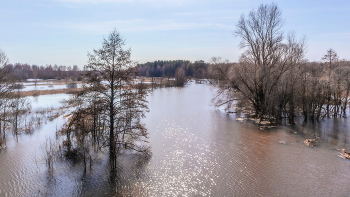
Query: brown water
point(197, 151)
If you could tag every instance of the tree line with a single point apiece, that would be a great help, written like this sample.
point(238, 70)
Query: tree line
point(159, 68)
point(168, 68)
point(21, 71)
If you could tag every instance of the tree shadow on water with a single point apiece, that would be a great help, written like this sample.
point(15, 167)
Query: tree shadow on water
point(128, 179)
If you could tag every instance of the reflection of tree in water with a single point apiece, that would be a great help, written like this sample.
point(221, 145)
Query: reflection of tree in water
point(346, 141)
point(127, 181)
point(99, 180)
point(329, 130)
point(334, 132)
point(85, 170)
point(339, 133)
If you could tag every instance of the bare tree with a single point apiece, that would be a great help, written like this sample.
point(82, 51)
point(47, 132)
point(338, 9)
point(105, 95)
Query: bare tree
point(180, 77)
point(268, 56)
point(6, 86)
point(111, 104)
point(6, 80)
point(330, 58)
point(3, 59)
point(19, 107)
point(35, 74)
point(217, 70)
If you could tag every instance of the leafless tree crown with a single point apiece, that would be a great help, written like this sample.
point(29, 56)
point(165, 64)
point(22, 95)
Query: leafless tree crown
point(268, 56)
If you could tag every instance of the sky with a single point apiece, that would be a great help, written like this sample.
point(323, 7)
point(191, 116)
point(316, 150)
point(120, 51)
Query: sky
point(62, 32)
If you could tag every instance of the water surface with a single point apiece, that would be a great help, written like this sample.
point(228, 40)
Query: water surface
point(198, 150)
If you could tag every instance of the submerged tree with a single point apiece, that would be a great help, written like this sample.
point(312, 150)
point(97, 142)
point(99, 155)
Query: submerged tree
point(269, 55)
point(111, 104)
point(180, 77)
point(6, 87)
point(6, 80)
point(19, 106)
point(330, 59)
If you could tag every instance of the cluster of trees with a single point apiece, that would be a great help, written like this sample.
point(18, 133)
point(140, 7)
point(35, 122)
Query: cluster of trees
point(12, 106)
point(197, 69)
point(25, 71)
point(109, 107)
point(5, 89)
point(273, 79)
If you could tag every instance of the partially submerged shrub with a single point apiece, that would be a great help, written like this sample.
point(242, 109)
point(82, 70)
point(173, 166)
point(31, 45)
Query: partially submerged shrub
point(72, 85)
point(17, 86)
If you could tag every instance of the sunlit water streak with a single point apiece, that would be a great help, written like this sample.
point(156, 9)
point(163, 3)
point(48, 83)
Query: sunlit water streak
point(197, 151)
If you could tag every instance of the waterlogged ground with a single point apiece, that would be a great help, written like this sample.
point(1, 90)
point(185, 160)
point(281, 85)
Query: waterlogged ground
point(197, 151)
point(44, 86)
point(22, 165)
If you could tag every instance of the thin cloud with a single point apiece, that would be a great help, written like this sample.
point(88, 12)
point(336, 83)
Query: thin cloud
point(137, 25)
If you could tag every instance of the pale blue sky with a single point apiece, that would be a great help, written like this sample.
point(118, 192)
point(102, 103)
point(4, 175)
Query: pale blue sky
point(63, 31)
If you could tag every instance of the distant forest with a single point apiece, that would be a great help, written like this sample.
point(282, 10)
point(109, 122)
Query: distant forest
point(26, 71)
point(161, 68)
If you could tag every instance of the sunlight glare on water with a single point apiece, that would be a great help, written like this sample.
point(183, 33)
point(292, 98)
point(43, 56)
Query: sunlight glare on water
point(197, 150)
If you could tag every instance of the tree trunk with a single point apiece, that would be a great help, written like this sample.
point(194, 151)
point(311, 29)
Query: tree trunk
point(112, 156)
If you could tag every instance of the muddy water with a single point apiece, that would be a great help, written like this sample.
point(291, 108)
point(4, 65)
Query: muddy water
point(22, 165)
point(197, 151)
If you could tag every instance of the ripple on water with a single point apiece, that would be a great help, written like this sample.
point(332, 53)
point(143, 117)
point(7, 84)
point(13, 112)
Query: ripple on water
point(197, 151)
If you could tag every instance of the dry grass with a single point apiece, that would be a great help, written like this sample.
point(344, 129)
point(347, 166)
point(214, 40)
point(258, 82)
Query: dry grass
point(45, 92)
point(50, 82)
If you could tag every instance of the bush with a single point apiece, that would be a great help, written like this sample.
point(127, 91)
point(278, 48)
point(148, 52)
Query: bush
point(18, 86)
point(72, 85)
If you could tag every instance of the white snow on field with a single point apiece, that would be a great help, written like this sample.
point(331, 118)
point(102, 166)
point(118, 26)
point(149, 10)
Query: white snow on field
point(38, 83)
point(44, 87)
point(54, 87)
point(146, 82)
point(34, 79)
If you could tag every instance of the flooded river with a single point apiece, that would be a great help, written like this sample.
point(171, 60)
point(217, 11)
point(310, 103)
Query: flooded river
point(197, 150)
